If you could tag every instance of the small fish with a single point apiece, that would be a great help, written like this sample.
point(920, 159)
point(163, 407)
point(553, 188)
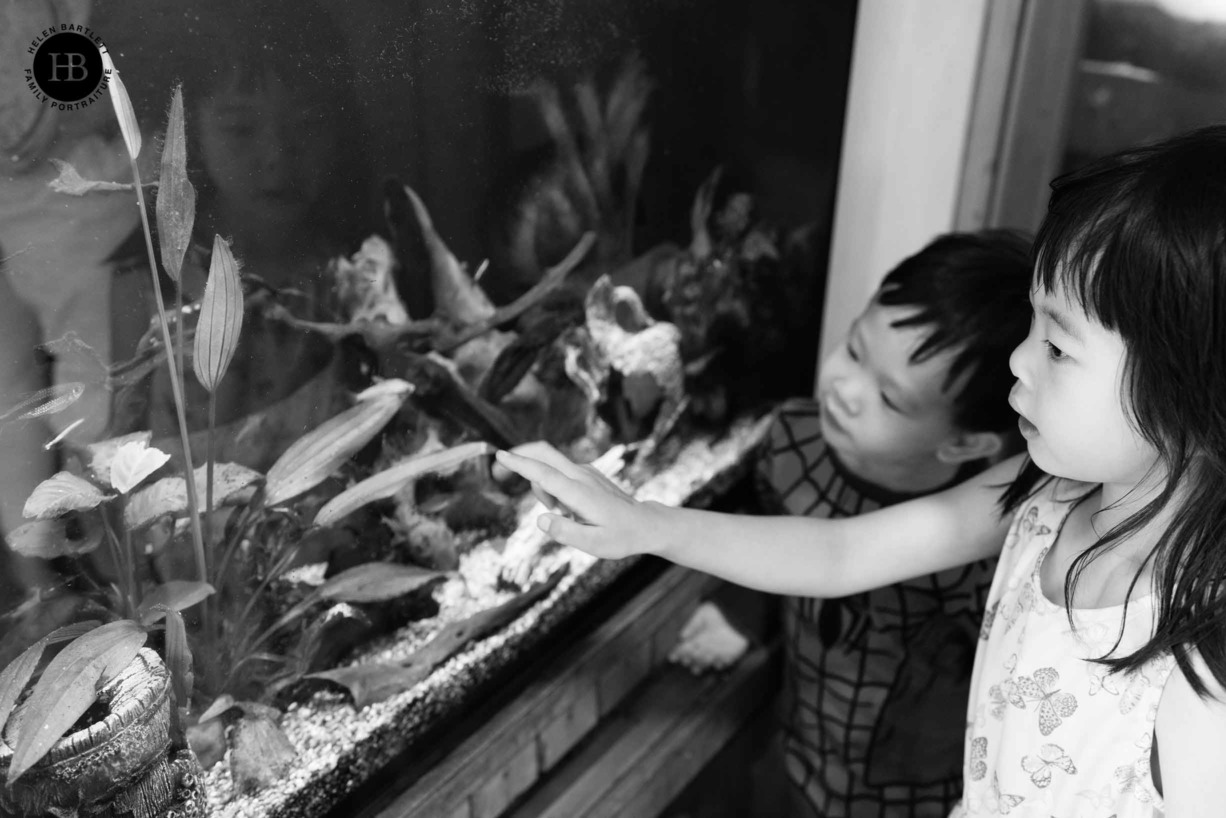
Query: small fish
point(251, 425)
point(51, 443)
point(485, 265)
point(46, 401)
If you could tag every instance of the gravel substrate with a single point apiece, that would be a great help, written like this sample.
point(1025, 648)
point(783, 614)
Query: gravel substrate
point(340, 747)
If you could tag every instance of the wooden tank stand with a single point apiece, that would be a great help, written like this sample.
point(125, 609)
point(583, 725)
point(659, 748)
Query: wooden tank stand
point(607, 728)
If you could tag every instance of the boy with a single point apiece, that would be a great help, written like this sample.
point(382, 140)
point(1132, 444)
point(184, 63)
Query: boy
point(875, 685)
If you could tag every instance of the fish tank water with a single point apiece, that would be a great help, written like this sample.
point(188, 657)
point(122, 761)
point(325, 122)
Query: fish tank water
point(277, 279)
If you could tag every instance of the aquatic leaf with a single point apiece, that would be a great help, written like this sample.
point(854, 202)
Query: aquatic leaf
point(133, 462)
point(15, 677)
point(385, 484)
point(260, 753)
point(102, 453)
point(64, 536)
point(59, 493)
point(317, 455)
point(179, 656)
point(174, 595)
point(220, 705)
point(169, 495)
point(165, 496)
point(176, 202)
point(370, 683)
point(72, 183)
point(395, 387)
point(228, 480)
point(122, 104)
point(221, 317)
point(376, 582)
point(457, 297)
point(68, 687)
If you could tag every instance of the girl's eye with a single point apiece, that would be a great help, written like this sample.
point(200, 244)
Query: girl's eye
point(1054, 352)
point(851, 352)
point(889, 403)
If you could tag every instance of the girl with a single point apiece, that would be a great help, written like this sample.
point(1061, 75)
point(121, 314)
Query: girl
point(1105, 634)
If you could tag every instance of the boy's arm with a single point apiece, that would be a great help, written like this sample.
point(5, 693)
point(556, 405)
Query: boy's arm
point(800, 556)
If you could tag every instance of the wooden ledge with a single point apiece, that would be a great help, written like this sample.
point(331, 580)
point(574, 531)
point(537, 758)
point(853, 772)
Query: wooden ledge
point(642, 757)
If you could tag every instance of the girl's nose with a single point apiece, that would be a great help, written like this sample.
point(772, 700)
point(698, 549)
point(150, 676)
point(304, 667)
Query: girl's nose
point(1017, 359)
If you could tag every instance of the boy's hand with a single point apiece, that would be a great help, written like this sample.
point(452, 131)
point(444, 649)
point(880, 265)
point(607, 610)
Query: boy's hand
point(589, 511)
point(708, 642)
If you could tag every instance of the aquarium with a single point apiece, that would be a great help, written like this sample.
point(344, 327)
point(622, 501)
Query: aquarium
point(278, 279)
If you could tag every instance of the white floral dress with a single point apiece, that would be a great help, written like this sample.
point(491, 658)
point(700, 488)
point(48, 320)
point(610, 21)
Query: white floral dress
point(1048, 732)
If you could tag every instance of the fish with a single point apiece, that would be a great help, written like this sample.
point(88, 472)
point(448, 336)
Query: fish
point(51, 443)
point(46, 402)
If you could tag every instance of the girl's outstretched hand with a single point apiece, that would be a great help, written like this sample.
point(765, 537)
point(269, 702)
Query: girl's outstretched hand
point(588, 511)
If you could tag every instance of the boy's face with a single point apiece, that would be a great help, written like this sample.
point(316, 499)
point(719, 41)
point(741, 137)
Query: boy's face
point(879, 410)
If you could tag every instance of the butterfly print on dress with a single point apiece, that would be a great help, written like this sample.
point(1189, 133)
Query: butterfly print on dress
point(1054, 705)
point(1051, 756)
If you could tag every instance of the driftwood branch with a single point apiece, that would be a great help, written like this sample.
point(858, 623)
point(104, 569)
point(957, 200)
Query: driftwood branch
point(382, 335)
point(504, 315)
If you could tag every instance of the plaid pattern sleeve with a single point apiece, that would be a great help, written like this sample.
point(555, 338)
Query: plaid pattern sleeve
point(875, 685)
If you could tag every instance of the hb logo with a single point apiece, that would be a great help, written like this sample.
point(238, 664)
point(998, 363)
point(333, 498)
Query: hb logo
point(68, 67)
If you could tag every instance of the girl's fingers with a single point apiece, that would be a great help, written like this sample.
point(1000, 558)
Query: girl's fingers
point(542, 452)
point(545, 476)
point(559, 492)
point(576, 535)
point(546, 499)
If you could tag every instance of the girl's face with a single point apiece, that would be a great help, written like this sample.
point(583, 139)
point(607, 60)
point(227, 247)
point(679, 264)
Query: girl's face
point(1069, 396)
point(268, 153)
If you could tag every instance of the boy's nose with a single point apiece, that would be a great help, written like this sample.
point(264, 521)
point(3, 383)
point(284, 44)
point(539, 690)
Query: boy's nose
point(846, 396)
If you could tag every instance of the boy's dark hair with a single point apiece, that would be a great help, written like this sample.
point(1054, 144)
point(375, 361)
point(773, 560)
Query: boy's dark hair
point(1138, 240)
point(972, 290)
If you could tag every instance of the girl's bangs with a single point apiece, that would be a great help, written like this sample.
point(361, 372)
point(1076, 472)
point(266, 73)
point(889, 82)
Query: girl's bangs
point(1090, 247)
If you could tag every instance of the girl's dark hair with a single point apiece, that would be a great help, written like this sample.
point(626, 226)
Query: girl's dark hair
point(1138, 239)
point(971, 291)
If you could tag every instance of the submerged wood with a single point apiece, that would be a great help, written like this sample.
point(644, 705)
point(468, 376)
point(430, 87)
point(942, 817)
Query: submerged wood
point(122, 760)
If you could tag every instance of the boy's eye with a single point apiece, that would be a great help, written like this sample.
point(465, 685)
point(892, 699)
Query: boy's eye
point(851, 351)
point(889, 403)
point(1054, 352)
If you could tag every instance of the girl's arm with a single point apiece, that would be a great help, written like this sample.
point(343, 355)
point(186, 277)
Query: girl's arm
point(1191, 735)
point(802, 556)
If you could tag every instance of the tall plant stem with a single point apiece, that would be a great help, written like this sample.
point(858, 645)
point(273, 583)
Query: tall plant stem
point(208, 480)
point(121, 567)
point(176, 385)
point(180, 346)
point(133, 583)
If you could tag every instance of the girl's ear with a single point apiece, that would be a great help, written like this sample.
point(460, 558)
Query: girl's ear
point(964, 447)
